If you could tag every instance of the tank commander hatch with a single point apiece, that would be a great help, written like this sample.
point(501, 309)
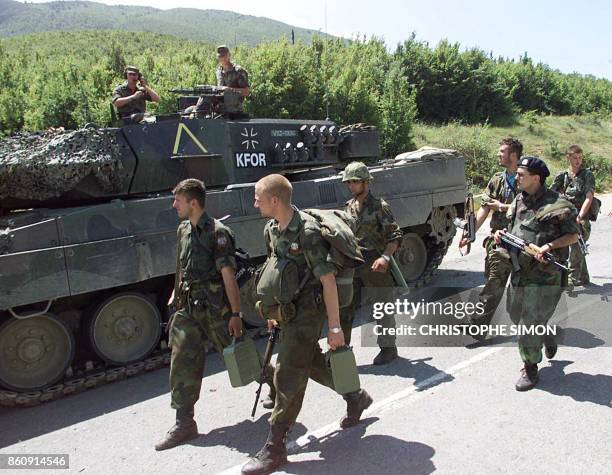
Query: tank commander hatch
point(131, 97)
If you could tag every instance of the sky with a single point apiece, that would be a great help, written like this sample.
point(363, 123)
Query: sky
point(569, 35)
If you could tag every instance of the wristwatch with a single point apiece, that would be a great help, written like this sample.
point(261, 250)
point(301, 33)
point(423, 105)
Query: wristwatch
point(335, 330)
point(237, 314)
point(386, 258)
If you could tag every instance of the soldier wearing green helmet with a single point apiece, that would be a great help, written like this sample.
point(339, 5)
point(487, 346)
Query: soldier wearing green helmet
point(379, 236)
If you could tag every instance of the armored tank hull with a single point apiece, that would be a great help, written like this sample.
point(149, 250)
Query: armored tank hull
point(86, 271)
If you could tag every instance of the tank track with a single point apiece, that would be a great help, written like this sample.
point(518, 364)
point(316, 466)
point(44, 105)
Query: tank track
point(92, 377)
point(435, 254)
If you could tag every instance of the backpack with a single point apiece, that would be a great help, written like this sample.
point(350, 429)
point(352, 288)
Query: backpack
point(337, 229)
point(279, 280)
point(244, 267)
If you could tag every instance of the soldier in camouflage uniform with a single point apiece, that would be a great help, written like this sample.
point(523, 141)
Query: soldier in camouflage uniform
point(577, 184)
point(500, 192)
point(207, 299)
point(131, 97)
point(301, 321)
point(539, 216)
point(231, 76)
point(379, 237)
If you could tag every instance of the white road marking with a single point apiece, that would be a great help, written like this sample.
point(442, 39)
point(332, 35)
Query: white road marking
point(407, 395)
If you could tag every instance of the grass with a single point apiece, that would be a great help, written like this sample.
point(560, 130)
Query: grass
point(544, 136)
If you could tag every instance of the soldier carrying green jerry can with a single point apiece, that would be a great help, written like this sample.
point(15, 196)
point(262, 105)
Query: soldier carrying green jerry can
point(298, 288)
point(207, 299)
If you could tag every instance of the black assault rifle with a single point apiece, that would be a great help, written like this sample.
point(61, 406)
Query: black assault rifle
point(515, 244)
point(267, 357)
point(468, 225)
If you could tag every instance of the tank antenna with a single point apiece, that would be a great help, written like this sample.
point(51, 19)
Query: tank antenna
point(324, 70)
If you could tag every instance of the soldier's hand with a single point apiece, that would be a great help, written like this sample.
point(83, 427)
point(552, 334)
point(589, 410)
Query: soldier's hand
point(235, 327)
point(498, 234)
point(138, 94)
point(540, 255)
point(380, 265)
point(464, 242)
point(495, 205)
point(143, 81)
point(271, 325)
point(335, 340)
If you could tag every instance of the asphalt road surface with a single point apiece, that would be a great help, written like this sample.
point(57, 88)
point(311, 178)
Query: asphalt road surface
point(436, 409)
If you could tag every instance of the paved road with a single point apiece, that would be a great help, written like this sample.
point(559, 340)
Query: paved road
point(448, 409)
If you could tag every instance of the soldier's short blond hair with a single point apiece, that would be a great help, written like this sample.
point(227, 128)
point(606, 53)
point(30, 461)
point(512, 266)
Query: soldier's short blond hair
point(276, 185)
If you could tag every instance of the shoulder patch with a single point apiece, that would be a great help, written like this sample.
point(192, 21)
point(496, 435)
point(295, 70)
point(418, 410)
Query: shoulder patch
point(221, 241)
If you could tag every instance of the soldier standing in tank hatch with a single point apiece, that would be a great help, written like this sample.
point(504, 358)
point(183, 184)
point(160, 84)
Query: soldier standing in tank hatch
point(539, 216)
point(577, 184)
point(131, 97)
point(500, 192)
point(231, 76)
point(379, 237)
point(207, 299)
point(301, 321)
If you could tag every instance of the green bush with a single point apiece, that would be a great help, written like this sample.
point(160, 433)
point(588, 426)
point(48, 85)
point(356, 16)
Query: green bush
point(601, 168)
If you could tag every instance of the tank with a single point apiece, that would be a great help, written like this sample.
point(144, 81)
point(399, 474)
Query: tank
point(88, 232)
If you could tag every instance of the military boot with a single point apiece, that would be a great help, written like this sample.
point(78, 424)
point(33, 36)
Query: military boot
point(385, 356)
point(272, 455)
point(356, 403)
point(529, 377)
point(550, 348)
point(185, 429)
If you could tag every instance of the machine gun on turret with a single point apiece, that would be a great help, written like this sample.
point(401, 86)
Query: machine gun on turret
point(209, 101)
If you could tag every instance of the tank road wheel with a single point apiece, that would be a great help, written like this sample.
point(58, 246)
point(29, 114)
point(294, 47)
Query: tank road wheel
point(125, 328)
point(441, 222)
point(411, 257)
point(34, 352)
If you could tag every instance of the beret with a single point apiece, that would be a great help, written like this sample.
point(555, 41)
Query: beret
point(534, 165)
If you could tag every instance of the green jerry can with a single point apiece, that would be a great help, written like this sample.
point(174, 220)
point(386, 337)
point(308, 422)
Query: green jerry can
point(242, 362)
point(344, 370)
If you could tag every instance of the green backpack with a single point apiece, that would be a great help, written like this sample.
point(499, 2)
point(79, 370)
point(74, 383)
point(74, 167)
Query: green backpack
point(279, 279)
point(337, 228)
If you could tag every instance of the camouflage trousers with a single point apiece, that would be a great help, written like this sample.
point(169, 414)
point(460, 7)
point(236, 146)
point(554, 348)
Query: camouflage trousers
point(365, 277)
point(189, 336)
point(190, 333)
point(299, 358)
point(578, 271)
point(532, 299)
point(497, 270)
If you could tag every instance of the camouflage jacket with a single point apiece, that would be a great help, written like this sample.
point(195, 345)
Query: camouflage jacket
point(539, 219)
point(137, 106)
point(306, 246)
point(235, 77)
point(499, 189)
point(575, 188)
point(202, 251)
point(375, 225)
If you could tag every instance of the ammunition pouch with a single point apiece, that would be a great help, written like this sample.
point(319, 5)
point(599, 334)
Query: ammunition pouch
point(192, 296)
point(279, 312)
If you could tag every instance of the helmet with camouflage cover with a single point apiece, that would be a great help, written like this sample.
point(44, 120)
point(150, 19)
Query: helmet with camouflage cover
point(356, 171)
